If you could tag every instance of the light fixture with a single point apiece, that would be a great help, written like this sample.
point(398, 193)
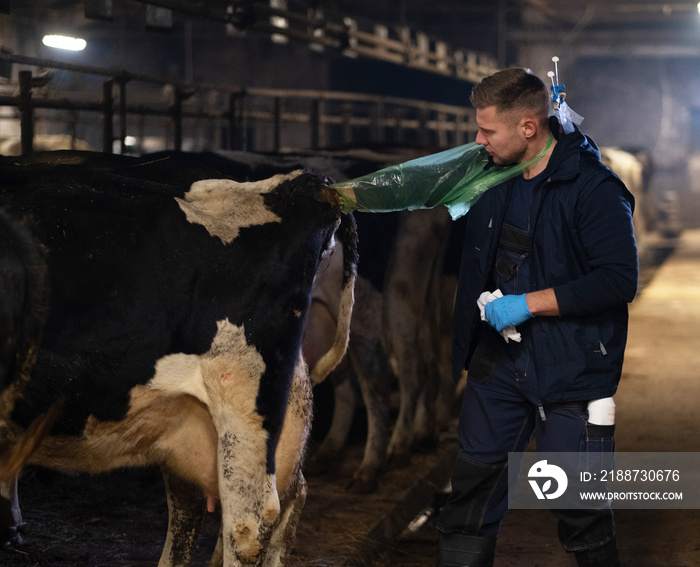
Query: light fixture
point(279, 22)
point(63, 42)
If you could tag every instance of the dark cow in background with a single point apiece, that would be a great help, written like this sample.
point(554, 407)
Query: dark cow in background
point(176, 308)
point(400, 339)
point(417, 318)
point(23, 292)
point(366, 378)
point(22, 305)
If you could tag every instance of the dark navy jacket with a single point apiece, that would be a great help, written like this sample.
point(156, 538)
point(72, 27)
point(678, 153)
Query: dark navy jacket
point(583, 247)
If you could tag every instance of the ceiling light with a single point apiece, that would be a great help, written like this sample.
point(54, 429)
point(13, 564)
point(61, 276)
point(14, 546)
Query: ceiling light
point(63, 42)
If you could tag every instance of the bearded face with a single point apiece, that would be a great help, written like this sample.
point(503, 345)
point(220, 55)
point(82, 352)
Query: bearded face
point(500, 136)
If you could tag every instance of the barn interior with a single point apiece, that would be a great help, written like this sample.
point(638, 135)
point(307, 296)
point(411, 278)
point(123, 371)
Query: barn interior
point(328, 82)
point(309, 75)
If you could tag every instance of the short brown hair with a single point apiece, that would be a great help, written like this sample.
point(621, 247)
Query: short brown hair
point(513, 89)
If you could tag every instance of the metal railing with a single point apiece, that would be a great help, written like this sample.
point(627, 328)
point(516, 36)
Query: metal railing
point(244, 119)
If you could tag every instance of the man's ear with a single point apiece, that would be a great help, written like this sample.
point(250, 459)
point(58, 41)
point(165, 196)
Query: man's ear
point(528, 126)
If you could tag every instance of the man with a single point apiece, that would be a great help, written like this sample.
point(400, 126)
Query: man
point(558, 243)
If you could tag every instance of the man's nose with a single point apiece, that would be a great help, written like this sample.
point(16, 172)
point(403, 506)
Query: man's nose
point(480, 138)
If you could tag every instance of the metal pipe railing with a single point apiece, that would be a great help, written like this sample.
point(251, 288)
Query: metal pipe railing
point(242, 111)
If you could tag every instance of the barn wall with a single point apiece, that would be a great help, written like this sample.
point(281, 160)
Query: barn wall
point(637, 103)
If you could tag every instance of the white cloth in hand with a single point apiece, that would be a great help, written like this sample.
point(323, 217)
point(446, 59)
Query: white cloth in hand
point(509, 333)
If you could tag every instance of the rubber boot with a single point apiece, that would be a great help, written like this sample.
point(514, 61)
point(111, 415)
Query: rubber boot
point(603, 556)
point(459, 550)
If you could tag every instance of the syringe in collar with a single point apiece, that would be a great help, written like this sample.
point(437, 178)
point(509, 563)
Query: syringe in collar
point(558, 91)
point(567, 117)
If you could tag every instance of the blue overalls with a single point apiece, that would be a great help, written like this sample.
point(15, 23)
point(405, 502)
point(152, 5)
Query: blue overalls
point(501, 410)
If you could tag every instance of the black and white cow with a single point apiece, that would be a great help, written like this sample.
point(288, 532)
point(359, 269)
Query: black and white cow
point(175, 317)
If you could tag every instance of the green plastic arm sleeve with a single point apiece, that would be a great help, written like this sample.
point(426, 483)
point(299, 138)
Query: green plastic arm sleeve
point(456, 178)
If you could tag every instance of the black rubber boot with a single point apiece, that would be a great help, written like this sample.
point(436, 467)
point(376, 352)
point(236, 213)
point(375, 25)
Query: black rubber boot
point(459, 550)
point(604, 556)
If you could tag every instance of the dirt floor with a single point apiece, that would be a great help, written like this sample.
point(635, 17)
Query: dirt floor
point(120, 519)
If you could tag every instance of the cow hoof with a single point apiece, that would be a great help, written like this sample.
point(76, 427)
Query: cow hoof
point(13, 536)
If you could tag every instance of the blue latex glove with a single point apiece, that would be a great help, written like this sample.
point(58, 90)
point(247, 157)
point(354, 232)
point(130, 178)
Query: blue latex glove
point(507, 311)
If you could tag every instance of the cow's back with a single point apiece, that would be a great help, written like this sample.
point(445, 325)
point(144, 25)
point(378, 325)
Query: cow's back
point(132, 280)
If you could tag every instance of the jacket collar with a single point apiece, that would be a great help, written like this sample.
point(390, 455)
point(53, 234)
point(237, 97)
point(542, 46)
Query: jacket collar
point(564, 162)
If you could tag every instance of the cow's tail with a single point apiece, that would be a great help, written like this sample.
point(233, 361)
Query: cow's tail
point(347, 235)
point(12, 463)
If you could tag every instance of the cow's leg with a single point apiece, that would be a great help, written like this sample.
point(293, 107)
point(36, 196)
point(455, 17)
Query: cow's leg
point(368, 359)
point(405, 300)
point(435, 404)
point(417, 259)
point(290, 482)
point(289, 456)
point(344, 405)
point(186, 506)
point(282, 541)
point(373, 376)
point(284, 534)
point(424, 430)
point(250, 505)
point(444, 403)
point(434, 336)
point(402, 324)
point(249, 501)
point(423, 434)
point(10, 515)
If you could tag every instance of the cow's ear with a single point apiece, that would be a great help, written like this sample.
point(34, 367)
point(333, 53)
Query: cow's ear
point(180, 374)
